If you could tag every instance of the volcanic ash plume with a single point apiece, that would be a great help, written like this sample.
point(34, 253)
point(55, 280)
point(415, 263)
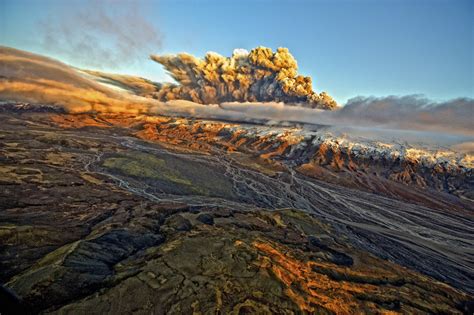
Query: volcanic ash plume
point(258, 76)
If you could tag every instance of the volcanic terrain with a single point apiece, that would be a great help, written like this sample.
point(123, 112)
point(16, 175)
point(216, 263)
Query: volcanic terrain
point(116, 213)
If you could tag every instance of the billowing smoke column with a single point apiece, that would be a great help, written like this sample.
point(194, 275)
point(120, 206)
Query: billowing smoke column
point(258, 76)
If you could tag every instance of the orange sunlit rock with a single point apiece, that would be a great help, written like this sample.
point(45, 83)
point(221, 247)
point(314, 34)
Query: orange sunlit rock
point(307, 288)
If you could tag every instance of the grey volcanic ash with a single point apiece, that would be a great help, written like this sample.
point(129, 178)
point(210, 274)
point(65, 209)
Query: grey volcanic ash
point(259, 75)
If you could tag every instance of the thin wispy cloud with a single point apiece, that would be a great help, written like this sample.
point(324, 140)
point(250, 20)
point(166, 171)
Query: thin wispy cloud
point(101, 34)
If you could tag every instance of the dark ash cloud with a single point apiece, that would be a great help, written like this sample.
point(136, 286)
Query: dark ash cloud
point(260, 75)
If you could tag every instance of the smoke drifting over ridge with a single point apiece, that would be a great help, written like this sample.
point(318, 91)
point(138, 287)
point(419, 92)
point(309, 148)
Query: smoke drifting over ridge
point(28, 77)
point(411, 112)
point(260, 75)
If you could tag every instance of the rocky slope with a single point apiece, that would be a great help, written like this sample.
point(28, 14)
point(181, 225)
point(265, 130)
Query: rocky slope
point(373, 166)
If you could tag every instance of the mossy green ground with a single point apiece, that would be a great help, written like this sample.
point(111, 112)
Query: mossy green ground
point(171, 173)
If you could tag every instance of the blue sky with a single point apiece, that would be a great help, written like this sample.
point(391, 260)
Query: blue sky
point(350, 48)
